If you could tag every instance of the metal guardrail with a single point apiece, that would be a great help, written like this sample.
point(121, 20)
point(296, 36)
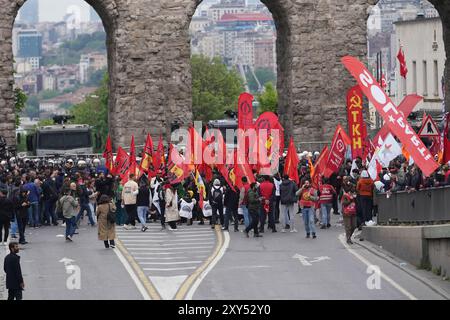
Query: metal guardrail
point(424, 206)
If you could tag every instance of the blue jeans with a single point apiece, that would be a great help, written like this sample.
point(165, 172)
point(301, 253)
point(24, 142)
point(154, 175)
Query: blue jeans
point(70, 226)
point(87, 208)
point(308, 219)
point(247, 218)
point(49, 211)
point(142, 215)
point(325, 209)
point(14, 227)
point(289, 215)
point(33, 213)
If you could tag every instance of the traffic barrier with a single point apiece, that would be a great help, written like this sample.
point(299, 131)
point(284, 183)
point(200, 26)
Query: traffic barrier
point(422, 207)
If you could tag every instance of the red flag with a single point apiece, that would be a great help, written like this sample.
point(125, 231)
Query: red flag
point(291, 162)
point(158, 160)
point(356, 125)
point(177, 171)
point(122, 164)
point(402, 60)
point(108, 155)
point(242, 169)
point(320, 167)
point(446, 142)
point(406, 107)
point(397, 122)
point(245, 111)
point(337, 152)
point(146, 164)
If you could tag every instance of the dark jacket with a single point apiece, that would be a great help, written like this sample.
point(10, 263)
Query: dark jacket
point(143, 197)
point(49, 190)
point(288, 189)
point(231, 200)
point(13, 271)
point(21, 211)
point(253, 201)
point(6, 209)
point(84, 195)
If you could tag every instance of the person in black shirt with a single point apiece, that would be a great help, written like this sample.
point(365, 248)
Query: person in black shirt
point(14, 279)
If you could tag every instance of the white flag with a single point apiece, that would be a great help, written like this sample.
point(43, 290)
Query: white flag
point(156, 198)
point(388, 151)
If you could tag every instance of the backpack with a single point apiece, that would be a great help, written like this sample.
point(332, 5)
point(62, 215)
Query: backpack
point(287, 194)
point(216, 195)
point(111, 216)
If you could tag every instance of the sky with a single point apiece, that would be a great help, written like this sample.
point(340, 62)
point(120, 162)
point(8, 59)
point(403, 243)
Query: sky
point(55, 10)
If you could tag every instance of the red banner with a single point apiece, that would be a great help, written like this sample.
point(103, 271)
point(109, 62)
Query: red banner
point(397, 122)
point(158, 160)
point(146, 164)
point(406, 107)
point(108, 155)
point(337, 152)
point(291, 162)
point(356, 127)
point(245, 111)
point(320, 167)
point(122, 164)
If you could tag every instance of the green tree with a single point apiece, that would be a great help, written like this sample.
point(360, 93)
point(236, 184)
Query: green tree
point(45, 122)
point(31, 111)
point(94, 110)
point(268, 100)
point(215, 89)
point(48, 94)
point(20, 100)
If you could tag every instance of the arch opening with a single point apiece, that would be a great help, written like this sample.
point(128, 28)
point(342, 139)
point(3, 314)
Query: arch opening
point(62, 58)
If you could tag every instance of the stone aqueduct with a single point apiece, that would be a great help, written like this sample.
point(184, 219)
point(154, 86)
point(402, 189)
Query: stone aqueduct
point(150, 78)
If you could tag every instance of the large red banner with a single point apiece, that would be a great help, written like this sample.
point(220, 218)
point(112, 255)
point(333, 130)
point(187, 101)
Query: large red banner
point(397, 122)
point(245, 111)
point(356, 127)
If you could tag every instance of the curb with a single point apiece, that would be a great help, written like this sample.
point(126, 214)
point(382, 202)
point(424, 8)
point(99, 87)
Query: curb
point(371, 247)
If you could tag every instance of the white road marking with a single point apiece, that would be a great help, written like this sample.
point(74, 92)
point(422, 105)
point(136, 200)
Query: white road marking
point(163, 236)
point(177, 248)
point(155, 253)
point(160, 258)
point(160, 241)
point(384, 276)
point(133, 276)
point(213, 263)
point(167, 286)
point(304, 260)
point(182, 262)
point(168, 269)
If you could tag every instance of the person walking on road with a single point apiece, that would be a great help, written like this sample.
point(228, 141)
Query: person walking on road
point(14, 278)
point(308, 197)
point(267, 191)
point(6, 214)
point(216, 201)
point(22, 204)
point(288, 198)
point(106, 227)
point(364, 189)
point(231, 203)
point(327, 194)
point(143, 204)
point(171, 212)
point(69, 206)
point(254, 205)
point(349, 213)
point(129, 199)
point(243, 200)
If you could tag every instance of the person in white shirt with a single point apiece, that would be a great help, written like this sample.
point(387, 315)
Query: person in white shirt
point(277, 181)
point(129, 197)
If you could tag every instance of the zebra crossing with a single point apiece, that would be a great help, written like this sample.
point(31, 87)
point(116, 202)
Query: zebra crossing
point(169, 260)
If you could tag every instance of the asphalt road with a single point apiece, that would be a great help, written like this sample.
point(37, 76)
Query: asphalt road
point(203, 264)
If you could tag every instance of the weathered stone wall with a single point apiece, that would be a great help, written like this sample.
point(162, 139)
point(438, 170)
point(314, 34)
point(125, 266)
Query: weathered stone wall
point(150, 76)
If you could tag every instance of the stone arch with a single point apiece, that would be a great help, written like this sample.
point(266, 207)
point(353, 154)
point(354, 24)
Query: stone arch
point(107, 10)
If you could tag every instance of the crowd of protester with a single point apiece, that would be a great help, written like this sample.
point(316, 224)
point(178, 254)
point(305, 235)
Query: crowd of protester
point(36, 193)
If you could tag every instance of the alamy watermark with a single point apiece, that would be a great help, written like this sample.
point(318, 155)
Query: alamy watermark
point(373, 282)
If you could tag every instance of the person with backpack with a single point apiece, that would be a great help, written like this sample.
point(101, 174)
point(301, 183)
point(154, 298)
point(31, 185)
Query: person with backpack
point(106, 221)
point(349, 213)
point(288, 198)
point(216, 201)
